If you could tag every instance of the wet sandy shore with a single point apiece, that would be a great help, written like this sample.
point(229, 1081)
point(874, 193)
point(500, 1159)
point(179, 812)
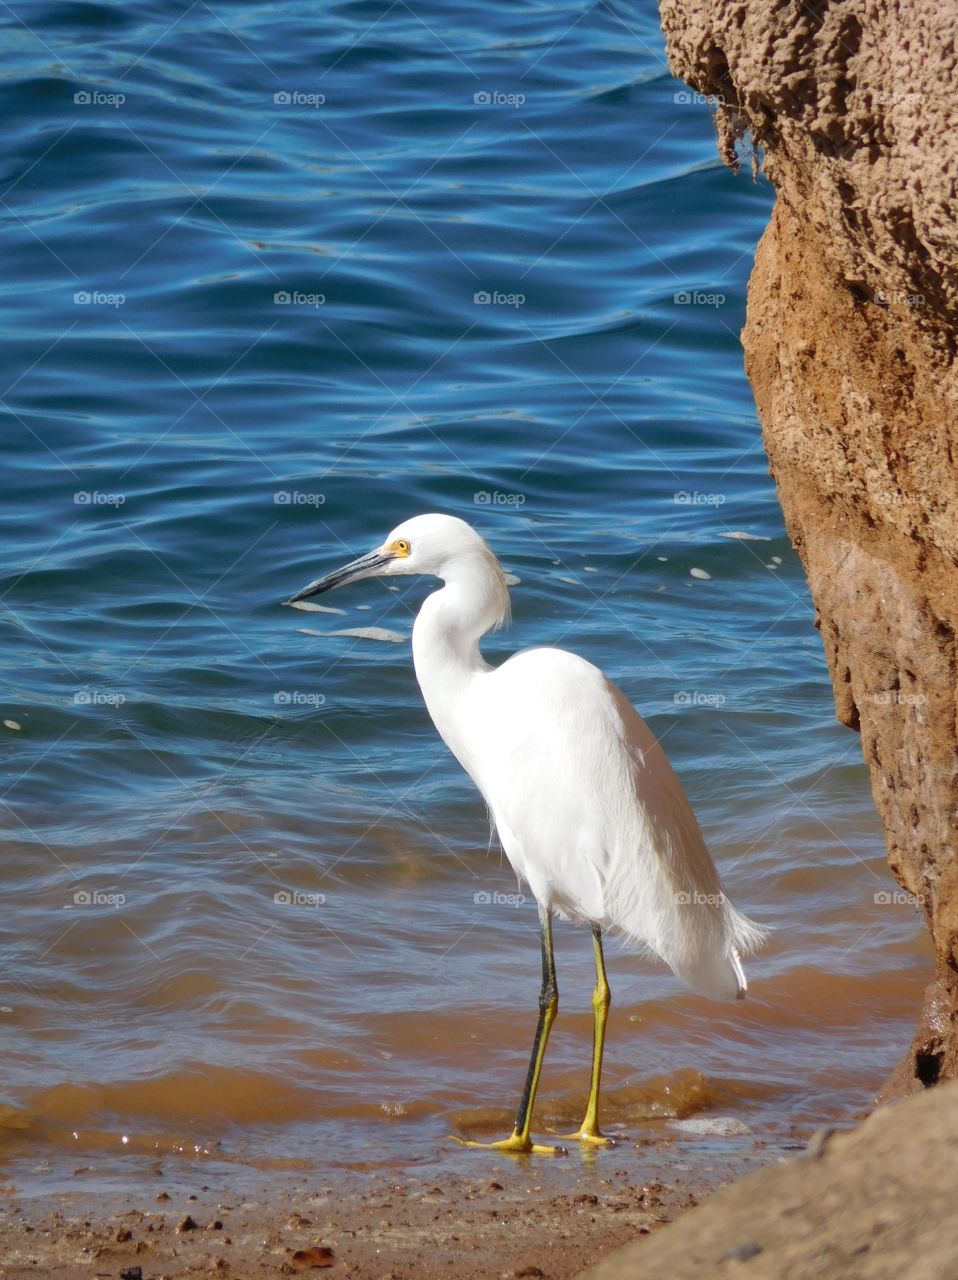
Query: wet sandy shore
point(498, 1217)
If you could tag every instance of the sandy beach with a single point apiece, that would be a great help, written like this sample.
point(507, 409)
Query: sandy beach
point(502, 1217)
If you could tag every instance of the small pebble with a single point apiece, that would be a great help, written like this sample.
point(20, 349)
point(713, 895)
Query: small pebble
point(700, 573)
point(712, 1126)
point(742, 1252)
point(13, 724)
point(187, 1224)
point(316, 1255)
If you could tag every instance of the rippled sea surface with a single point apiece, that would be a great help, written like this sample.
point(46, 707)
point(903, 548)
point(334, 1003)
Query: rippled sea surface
point(277, 277)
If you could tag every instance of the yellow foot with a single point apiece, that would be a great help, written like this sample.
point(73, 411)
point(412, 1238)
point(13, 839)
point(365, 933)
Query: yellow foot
point(515, 1145)
point(592, 1136)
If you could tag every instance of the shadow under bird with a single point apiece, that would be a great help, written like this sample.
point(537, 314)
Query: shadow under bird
point(587, 807)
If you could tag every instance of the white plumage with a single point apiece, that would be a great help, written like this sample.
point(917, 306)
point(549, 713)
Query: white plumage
point(587, 807)
point(589, 811)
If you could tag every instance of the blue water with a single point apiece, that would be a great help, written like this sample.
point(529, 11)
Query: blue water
point(277, 278)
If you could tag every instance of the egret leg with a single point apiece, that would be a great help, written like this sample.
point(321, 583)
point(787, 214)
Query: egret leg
point(589, 1130)
point(519, 1142)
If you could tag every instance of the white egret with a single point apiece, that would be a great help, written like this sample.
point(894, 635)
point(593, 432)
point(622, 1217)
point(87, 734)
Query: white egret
point(586, 805)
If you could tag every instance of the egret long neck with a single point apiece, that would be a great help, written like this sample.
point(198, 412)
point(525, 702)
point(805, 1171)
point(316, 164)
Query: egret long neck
point(445, 647)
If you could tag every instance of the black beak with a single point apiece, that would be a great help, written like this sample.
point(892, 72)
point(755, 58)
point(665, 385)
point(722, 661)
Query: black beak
point(367, 566)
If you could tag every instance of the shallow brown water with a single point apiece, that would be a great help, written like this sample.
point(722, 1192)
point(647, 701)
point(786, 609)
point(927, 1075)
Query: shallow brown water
point(360, 1034)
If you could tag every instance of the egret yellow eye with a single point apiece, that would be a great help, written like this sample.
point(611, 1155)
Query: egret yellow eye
point(401, 546)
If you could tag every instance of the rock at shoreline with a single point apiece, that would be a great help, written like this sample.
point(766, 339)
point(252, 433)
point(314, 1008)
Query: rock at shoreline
point(850, 346)
point(872, 1203)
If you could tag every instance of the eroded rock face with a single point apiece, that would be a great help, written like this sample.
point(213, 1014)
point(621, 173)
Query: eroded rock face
point(850, 348)
point(871, 1204)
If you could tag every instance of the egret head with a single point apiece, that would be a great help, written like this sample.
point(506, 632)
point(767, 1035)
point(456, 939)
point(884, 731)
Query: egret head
point(436, 545)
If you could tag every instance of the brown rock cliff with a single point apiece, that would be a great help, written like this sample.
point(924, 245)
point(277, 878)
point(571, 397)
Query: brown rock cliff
point(850, 348)
point(873, 1204)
